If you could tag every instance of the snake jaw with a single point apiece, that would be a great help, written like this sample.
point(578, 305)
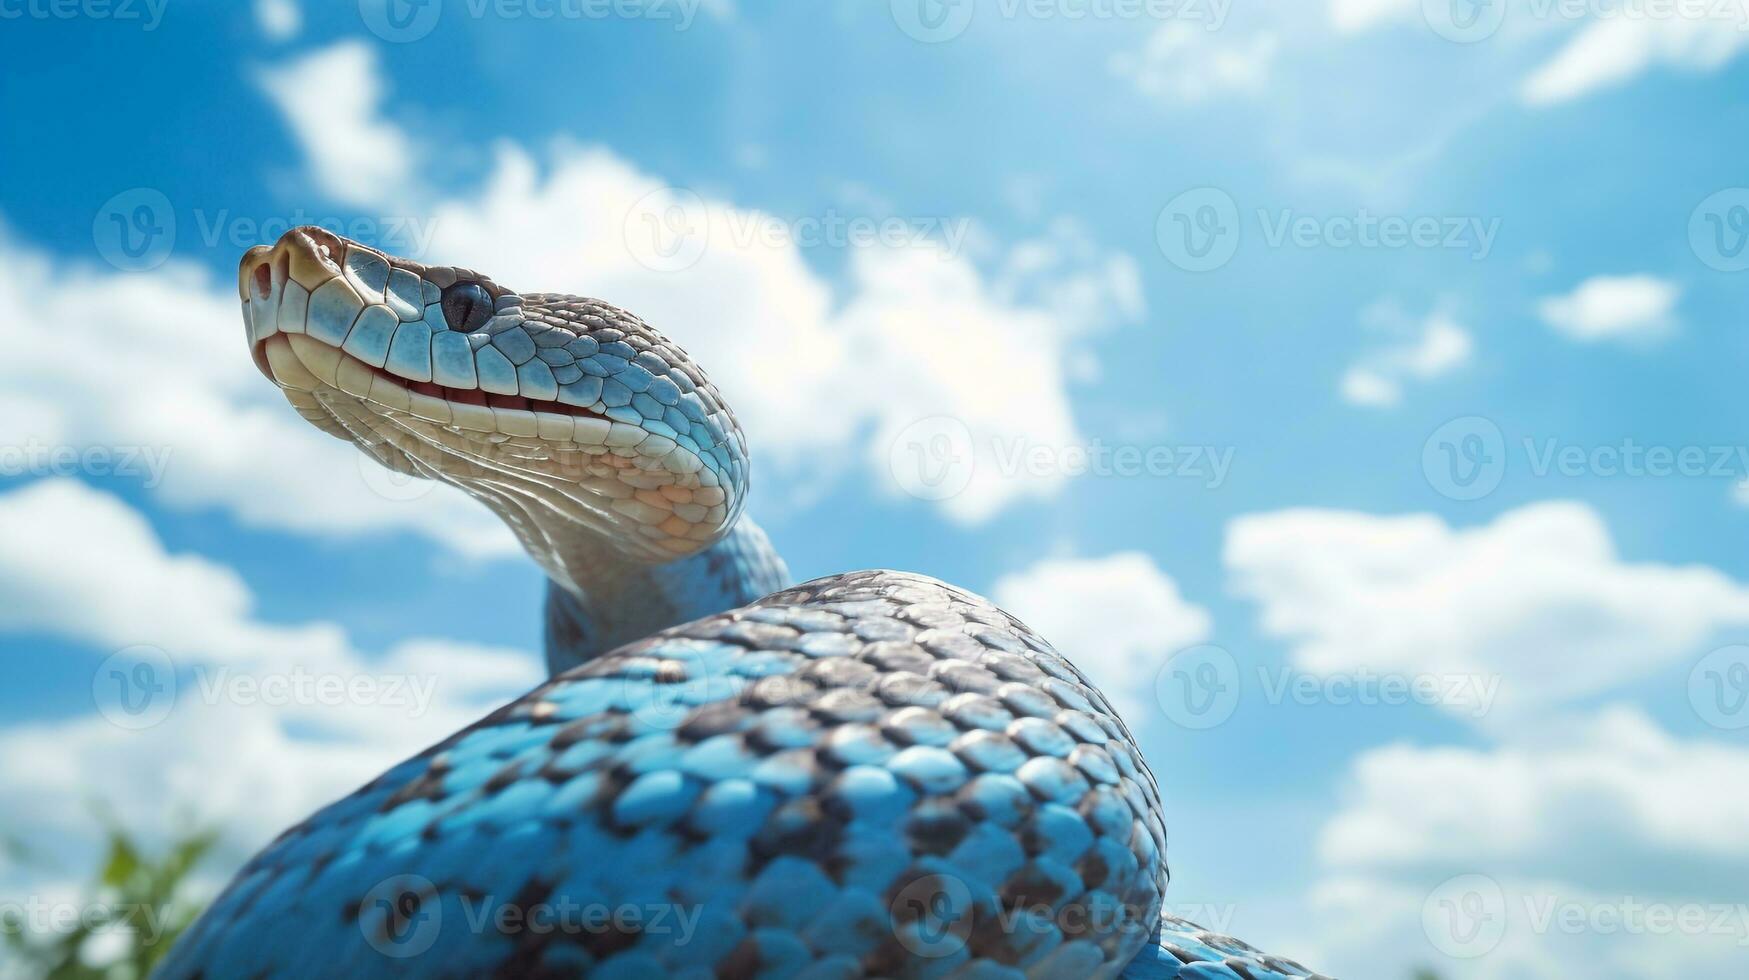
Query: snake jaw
point(441, 372)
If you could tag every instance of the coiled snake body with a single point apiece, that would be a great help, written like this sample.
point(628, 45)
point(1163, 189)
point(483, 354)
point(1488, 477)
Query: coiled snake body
point(872, 774)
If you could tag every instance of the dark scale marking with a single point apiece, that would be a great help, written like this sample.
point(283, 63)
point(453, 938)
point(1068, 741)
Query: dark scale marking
point(936, 826)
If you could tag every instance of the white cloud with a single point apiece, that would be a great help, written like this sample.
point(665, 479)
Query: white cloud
point(279, 20)
point(818, 377)
point(1419, 351)
point(1353, 16)
point(153, 368)
point(1611, 51)
point(332, 99)
point(821, 378)
point(1186, 63)
point(1610, 44)
point(81, 564)
point(1587, 818)
point(1538, 599)
point(1117, 618)
point(1613, 307)
point(1634, 791)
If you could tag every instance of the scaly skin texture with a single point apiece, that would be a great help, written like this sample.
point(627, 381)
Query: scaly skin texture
point(869, 775)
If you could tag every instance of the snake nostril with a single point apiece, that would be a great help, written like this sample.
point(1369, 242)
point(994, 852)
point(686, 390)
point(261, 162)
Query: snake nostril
point(324, 240)
point(263, 278)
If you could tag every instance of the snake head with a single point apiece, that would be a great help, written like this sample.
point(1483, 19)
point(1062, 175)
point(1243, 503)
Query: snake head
point(553, 409)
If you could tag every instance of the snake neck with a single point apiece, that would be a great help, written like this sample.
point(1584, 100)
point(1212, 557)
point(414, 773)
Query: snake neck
point(599, 597)
point(604, 601)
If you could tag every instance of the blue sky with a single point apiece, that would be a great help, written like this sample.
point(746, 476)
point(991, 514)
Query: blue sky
point(1574, 288)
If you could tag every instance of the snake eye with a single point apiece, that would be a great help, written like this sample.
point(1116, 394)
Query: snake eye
point(466, 305)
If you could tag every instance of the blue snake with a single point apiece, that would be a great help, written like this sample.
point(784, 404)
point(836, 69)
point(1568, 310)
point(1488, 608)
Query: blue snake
point(868, 775)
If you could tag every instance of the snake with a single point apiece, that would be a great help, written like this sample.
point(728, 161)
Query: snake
point(726, 775)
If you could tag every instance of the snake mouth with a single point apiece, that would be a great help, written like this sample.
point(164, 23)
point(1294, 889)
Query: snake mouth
point(298, 364)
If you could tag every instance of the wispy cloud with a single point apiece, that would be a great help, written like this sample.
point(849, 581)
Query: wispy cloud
point(279, 20)
point(1538, 599)
point(1186, 63)
point(261, 722)
point(1118, 618)
point(1610, 52)
point(1613, 308)
point(1493, 855)
point(332, 99)
point(1415, 350)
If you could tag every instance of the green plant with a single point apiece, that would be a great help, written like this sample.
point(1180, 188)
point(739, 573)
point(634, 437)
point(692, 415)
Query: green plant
point(138, 897)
